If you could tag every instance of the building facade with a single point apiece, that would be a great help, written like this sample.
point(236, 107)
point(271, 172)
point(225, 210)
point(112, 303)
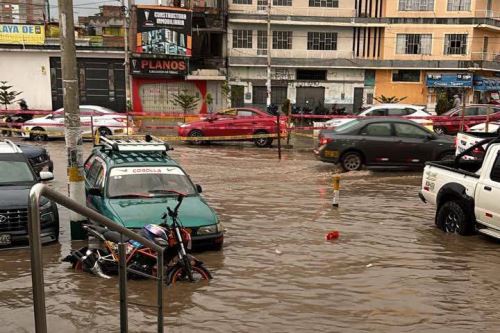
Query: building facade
point(346, 52)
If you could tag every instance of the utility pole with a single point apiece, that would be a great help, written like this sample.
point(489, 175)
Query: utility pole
point(128, 84)
point(72, 130)
point(269, 44)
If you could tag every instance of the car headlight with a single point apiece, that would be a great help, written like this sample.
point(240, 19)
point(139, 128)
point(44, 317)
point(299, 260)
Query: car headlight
point(211, 229)
point(184, 125)
point(46, 206)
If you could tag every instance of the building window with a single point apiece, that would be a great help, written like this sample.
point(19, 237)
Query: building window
point(242, 2)
point(282, 40)
point(324, 3)
point(458, 5)
point(282, 2)
point(406, 76)
point(310, 74)
point(261, 42)
point(455, 44)
point(322, 41)
point(242, 39)
point(414, 44)
point(416, 5)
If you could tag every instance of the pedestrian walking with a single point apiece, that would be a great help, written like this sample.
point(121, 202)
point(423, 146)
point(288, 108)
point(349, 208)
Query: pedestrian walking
point(457, 102)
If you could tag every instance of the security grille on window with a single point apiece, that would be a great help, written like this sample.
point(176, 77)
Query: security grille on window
point(455, 44)
point(282, 40)
point(324, 3)
point(282, 2)
point(416, 5)
point(261, 42)
point(458, 5)
point(322, 41)
point(414, 44)
point(242, 39)
point(242, 2)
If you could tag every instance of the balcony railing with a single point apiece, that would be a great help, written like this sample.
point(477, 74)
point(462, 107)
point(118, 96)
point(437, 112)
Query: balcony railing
point(485, 56)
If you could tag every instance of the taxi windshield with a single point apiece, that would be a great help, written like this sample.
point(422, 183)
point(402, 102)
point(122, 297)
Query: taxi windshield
point(148, 181)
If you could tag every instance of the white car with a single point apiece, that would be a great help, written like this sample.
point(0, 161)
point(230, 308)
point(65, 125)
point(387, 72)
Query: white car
point(104, 121)
point(389, 110)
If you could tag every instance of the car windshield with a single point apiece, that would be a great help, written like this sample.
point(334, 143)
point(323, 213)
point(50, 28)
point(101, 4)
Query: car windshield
point(14, 172)
point(347, 126)
point(148, 182)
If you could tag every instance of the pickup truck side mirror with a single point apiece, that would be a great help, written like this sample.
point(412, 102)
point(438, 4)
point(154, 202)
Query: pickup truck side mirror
point(95, 191)
point(198, 188)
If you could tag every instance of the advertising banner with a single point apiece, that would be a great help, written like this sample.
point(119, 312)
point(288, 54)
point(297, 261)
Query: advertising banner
point(155, 67)
point(164, 30)
point(24, 34)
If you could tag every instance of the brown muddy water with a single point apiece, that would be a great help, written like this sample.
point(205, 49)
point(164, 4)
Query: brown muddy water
point(391, 270)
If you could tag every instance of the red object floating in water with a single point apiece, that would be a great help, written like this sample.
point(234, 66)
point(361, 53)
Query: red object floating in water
point(332, 235)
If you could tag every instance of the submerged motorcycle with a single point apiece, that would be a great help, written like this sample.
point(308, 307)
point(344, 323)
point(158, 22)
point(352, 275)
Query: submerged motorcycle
point(103, 261)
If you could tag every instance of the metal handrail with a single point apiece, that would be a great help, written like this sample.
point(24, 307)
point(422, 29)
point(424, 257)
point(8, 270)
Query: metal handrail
point(39, 190)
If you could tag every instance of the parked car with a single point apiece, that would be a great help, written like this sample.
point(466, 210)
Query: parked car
point(235, 122)
point(474, 135)
point(16, 179)
point(38, 157)
point(131, 184)
point(454, 115)
point(388, 110)
point(465, 193)
point(105, 122)
point(382, 142)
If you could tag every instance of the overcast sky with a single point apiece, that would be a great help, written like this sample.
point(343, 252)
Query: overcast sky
point(90, 7)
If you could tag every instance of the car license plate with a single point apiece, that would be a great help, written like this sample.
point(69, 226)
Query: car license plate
point(331, 153)
point(5, 239)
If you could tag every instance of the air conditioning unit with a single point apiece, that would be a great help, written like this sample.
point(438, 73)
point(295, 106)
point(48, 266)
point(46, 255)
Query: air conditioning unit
point(261, 51)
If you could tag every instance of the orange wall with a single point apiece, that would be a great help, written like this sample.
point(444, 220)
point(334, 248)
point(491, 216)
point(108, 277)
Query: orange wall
point(415, 92)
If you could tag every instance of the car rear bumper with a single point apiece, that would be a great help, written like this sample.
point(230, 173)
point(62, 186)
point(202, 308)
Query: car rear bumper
point(326, 155)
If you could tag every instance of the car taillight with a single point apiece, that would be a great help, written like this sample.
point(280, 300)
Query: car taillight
point(324, 141)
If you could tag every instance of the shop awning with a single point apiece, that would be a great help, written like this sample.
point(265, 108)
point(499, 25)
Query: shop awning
point(486, 83)
point(449, 80)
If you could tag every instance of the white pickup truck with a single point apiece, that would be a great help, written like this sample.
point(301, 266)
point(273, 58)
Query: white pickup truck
point(466, 192)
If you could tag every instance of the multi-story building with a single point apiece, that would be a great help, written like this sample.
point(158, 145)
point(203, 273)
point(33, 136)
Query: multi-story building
point(24, 11)
point(344, 52)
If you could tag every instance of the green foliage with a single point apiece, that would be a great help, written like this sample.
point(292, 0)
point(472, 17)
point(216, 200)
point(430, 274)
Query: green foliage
point(389, 100)
point(186, 101)
point(209, 99)
point(226, 90)
point(443, 104)
point(7, 96)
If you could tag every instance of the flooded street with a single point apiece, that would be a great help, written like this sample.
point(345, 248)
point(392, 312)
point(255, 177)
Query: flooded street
point(391, 270)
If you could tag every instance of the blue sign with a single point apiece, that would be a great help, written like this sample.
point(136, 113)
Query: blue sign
point(486, 83)
point(460, 80)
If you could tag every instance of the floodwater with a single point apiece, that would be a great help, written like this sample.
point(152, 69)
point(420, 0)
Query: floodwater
point(391, 270)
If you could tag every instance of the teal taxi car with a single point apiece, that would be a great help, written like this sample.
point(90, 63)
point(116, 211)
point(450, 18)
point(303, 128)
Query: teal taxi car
point(129, 181)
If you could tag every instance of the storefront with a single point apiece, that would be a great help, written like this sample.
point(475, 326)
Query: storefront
point(486, 90)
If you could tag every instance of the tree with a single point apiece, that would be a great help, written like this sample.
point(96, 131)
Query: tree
point(185, 101)
point(443, 104)
point(7, 96)
point(389, 100)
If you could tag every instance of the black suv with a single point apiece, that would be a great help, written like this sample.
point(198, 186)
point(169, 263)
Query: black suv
point(38, 157)
point(17, 176)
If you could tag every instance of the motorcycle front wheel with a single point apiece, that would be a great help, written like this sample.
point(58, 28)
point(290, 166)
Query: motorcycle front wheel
point(180, 274)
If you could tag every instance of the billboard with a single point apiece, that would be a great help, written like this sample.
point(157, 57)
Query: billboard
point(24, 34)
point(159, 66)
point(164, 30)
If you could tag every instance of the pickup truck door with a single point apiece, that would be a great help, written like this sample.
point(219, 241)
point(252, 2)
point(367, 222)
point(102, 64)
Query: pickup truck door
point(487, 209)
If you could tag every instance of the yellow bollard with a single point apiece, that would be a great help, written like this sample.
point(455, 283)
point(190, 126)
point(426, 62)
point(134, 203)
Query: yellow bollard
point(336, 191)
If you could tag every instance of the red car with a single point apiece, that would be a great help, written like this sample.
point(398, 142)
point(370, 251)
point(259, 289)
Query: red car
point(477, 112)
point(235, 122)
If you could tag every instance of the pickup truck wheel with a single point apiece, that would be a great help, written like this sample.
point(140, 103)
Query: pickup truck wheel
point(452, 217)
